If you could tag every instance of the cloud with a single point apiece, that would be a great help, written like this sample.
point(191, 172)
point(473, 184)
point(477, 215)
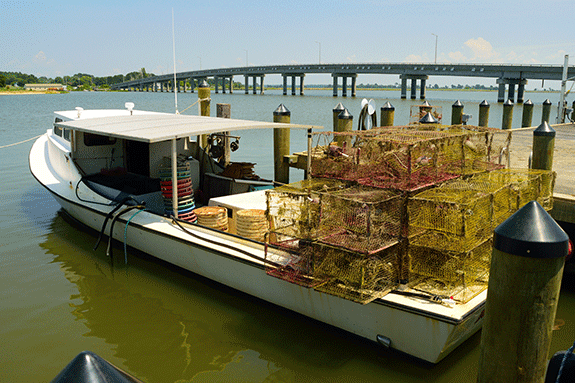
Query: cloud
point(40, 56)
point(481, 49)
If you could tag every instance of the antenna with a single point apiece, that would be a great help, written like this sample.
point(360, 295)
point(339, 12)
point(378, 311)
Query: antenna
point(174, 49)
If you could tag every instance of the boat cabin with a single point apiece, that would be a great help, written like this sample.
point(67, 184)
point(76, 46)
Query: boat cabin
point(127, 153)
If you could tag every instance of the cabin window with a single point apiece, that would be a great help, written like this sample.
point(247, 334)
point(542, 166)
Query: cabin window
point(57, 130)
point(67, 134)
point(91, 139)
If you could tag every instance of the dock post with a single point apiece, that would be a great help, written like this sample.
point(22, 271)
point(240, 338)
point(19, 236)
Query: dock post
point(457, 113)
point(546, 111)
point(543, 147)
point(336, 111)
point(507, 115)
point(529, 251)
point(225, 111)
point(527, 114)
point(204, 98)
point(344, 124)
point(387, 114)
point(484, 113)
point(281, 145)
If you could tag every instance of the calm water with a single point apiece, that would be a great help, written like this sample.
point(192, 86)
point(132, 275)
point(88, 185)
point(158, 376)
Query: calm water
point(59, 297)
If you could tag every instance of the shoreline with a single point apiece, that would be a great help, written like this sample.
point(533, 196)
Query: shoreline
point(12, 92)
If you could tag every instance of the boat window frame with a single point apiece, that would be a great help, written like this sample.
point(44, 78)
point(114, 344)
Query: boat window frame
point(93, 139)
point(57, 130)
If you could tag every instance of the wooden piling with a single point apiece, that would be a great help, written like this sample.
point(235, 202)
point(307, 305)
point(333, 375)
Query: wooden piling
point(527, 261)
point(484, 113)
point(281, 145)
point(543, 147)
point(225, 111)
point(387, 114)
point(527, 114)
point(204, 97)
point(507, 115)
point(344, 124)
point(546, 111)
point(336, 111)
point(457, 113)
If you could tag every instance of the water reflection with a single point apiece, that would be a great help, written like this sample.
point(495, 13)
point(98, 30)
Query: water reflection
point(168, 325)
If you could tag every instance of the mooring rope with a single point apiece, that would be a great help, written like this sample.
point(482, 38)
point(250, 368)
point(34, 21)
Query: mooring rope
point(199, 100)
point(21, 142)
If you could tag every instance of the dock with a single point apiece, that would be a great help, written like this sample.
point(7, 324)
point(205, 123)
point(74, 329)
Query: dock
point(564, 191)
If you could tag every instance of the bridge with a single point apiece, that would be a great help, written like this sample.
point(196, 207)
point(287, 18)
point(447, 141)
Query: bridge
point(507, 76)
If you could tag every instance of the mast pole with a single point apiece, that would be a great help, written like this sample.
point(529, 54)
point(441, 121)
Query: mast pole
point(174, 50)
point(560, 110)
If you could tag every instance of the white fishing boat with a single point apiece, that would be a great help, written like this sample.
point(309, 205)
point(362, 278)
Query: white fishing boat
point(112, 170)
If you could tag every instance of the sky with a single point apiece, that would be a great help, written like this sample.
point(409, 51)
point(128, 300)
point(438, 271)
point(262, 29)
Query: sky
point(105, 38)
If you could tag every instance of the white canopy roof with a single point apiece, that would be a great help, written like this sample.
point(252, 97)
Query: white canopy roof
point(156, 127)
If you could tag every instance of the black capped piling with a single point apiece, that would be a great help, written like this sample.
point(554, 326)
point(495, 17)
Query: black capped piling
point(484, 113)
point(507, 115)
point(387, 114)
point(543, 147)
point(529, 251)
point(281, 145)
point(457, 113)
point(88, 367)
point(527, 114)
point(425, 107)
point(336, 111)
point(428, 119)
point(344, 124)
point(546, 111)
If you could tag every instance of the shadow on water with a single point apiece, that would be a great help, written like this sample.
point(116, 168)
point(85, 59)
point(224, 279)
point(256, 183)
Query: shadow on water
point(166, 324)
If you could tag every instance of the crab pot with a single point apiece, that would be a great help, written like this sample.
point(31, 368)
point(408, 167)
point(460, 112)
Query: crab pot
point(466, 209)
point(362, 210)
point(293, 210)
point(361, 275)
point(442, 265)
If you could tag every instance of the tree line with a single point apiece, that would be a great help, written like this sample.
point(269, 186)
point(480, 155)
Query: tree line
point(79, 80)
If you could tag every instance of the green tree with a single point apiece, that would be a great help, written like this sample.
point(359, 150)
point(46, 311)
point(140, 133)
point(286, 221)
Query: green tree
point(2, 81)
